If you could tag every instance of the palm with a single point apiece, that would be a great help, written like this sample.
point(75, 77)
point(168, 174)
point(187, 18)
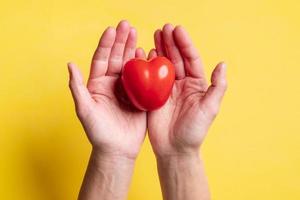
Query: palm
point(179, 115)
point(111, 126)
point(188, 96)
point(116, 125)
point(181, 124)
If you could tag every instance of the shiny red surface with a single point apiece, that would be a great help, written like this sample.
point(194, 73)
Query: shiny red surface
point(148, 83)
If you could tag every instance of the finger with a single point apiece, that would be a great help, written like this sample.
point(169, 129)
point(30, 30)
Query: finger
point(115, 61)
point(158, 42)
point(216, 90)
point(140, 53)
point(152, 54)
point(172, 51)
point(79, 91)
point(130, 45)
point(193, 64)
point(102, 53)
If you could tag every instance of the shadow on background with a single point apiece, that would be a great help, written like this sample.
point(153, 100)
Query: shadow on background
point(53, 157)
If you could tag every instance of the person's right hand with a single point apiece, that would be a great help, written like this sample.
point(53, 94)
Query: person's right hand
point(113, 129)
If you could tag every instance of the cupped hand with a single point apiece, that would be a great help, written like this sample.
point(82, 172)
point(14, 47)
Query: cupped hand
point(180, 126)
point(113, 128)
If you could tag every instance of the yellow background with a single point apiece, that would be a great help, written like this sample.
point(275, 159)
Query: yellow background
point(253, 148)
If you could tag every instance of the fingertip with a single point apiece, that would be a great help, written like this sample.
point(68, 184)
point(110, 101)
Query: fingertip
point(123, 24)
point(222, 64)
point(181, 36)
point(140, 53)
point(224, 71)
point(152, 54)
point(157, 33)
point(178, 32)
point(139, 49)
point(158, 37)
point(179, 29)
point(109, 32)
point(219, 76)
point(71, 69)
point(110, 29)
point(221, 68)
point(132, 32)
point(167, 28)
point(152, 51)
point(71, 66)
point(74, 71)
point(108, 37)
point(159, 42)
point(124, 21)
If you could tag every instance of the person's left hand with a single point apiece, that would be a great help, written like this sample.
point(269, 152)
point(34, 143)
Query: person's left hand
point(179, 127)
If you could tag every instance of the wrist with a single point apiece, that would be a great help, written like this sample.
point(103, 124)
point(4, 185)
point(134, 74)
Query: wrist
point(107, 177)
point(178, 160)
point(182, 177)
point(177, 154)
point(102, 159)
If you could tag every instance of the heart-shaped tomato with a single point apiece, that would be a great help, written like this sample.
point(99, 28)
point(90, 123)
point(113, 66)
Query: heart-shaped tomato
point(148, 83)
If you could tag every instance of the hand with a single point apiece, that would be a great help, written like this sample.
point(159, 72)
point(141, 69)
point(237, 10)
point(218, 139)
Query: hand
point(177, 129)
point(180, 126)
point(113, 129)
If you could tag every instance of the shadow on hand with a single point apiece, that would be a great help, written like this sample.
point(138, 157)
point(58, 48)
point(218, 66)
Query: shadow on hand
point(123, 98)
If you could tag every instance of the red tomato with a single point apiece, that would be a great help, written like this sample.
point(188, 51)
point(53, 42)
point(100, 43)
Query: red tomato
point(148, 84)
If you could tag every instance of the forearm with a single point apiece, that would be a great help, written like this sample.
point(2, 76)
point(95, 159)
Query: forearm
point(182, 178)
point(106, 178)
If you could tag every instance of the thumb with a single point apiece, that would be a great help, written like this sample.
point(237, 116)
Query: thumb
point(80, 93)
point(216, 90)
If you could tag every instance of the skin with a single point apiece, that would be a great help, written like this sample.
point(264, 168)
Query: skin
point(177, 129)
point(116, 130)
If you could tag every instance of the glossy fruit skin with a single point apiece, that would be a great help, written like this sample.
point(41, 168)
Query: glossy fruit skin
point(148, 84)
